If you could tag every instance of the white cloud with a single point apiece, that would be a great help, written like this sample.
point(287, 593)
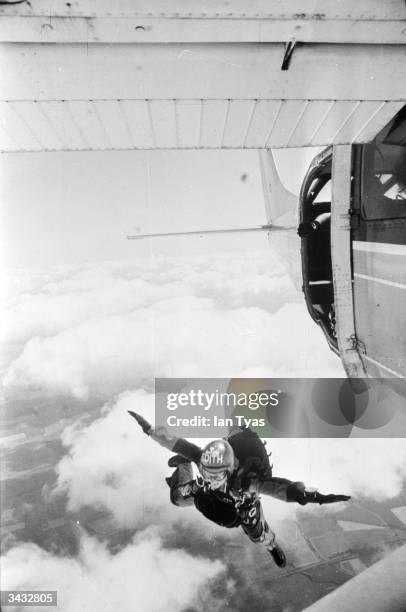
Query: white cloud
point(105, 329)
point(373, 467)
point(180, 337)
point(114, 465)
point(143, 576)
point(43, 304)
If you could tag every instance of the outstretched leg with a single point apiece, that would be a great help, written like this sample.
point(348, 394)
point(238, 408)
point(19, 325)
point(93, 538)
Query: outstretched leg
point(257, 529)
point(181, 483)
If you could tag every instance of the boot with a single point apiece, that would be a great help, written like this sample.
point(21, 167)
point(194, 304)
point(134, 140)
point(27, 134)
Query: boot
point(277, 555)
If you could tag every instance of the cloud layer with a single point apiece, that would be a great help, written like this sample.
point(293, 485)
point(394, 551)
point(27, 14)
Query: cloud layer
point(142, 576)
point(374, 468)
point(106, 331)
point(100, 330)
point(112, 464)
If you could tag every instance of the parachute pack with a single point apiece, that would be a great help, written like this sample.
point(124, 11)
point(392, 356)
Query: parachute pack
point(251, 454)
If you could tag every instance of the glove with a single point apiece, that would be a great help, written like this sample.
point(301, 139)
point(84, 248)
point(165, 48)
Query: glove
point(297, 492)
point(319, 498)
point(146, 427)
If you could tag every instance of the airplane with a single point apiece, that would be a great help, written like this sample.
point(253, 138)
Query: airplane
point(355, 264)
point(249, 77)
point(361, 593)
point(99, 75)
point(354, 271)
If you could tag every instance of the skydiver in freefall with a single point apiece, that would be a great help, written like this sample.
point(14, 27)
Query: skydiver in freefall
point(232, 475)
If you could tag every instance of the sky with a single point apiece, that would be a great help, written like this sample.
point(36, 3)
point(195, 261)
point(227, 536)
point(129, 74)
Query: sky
point(71, 208)
point(93, 317)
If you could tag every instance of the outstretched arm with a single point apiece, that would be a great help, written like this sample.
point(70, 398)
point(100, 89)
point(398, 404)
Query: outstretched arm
point(177, 445)
point(314, 497)
point(160, 434)
point(289, 491)
point(297, 492)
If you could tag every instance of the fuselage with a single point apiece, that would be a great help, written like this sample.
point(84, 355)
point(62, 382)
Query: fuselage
point(376, 229)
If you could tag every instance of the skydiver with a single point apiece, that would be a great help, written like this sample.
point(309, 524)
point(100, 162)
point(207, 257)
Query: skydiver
point(232, 473)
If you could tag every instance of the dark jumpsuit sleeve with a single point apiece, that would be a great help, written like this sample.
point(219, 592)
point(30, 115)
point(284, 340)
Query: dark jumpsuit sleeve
point(188, 450)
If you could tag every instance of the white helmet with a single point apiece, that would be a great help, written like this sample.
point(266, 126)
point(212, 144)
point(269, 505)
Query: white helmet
point(217, 463)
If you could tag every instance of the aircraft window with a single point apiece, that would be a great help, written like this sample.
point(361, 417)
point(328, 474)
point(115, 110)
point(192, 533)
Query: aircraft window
point(324, 194)
point(319, 190)
point(383, 185)
point(314, 230)
point(391, 187)
point(313, 186)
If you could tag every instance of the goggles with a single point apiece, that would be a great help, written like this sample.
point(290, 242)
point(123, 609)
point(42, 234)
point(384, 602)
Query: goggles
point(214, 478)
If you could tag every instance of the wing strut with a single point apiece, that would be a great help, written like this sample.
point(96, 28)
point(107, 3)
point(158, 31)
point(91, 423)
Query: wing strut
point(260, 228)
